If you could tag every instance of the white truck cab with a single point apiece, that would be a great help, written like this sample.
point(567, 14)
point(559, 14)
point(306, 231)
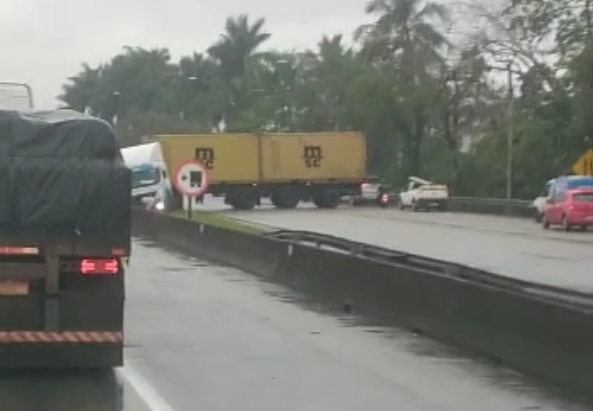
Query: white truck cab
point(149, 172)
point(422, 194)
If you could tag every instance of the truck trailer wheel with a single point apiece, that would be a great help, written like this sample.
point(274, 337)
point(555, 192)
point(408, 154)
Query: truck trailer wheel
point(285, 198)
point(243, 199)
point(327, 199)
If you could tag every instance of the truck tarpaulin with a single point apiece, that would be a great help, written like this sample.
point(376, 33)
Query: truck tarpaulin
point(61, 170)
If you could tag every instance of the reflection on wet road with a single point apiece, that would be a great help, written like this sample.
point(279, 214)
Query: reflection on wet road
point(211, 338)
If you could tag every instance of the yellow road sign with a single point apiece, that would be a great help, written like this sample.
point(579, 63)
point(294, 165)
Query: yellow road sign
point(584, 165)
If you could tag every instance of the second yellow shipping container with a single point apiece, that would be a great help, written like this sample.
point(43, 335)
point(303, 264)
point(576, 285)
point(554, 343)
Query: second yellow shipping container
point(319, 157)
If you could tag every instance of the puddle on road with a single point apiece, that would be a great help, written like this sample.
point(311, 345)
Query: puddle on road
point(35, 390)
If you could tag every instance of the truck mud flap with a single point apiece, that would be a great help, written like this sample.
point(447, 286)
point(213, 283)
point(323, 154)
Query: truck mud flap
point(61, 356)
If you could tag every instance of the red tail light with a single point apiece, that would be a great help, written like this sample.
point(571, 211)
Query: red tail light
point(99, 267)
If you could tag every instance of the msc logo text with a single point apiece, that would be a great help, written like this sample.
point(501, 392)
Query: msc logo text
point(206, 156)
point(312, 155)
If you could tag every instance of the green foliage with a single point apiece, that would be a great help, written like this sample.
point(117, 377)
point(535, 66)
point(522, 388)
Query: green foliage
point(424, 112)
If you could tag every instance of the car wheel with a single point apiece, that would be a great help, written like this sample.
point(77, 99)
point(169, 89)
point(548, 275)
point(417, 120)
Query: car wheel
point(544, 222)
point(565, 225)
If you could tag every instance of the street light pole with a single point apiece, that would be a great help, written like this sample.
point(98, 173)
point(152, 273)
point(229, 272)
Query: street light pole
point(185, 111)
point(116, 96)
point(510, 133)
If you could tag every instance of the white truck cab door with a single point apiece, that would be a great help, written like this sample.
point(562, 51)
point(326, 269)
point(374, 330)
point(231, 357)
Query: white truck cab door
point(407, 195)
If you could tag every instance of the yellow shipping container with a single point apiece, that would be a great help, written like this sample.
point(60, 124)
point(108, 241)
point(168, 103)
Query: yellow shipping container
point(319, 157)
point(231, 158)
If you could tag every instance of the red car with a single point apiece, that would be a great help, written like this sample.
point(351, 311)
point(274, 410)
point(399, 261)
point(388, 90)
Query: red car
point(574, 208)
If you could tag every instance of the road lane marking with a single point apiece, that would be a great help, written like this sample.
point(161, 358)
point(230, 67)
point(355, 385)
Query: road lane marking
point(145, 391)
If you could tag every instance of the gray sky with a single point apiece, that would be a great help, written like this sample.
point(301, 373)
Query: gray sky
point(43, 42)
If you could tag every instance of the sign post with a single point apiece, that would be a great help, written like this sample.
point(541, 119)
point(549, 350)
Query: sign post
point(192, 180)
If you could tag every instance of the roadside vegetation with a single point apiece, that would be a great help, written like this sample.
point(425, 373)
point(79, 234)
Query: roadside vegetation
point(221, 221)
point(475, 95)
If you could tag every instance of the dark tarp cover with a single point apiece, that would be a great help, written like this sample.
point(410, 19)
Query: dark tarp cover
point(62, 170)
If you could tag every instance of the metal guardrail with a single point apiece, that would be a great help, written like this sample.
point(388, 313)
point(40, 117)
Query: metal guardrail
point(441, 267)
point(495, 206)
point(483, 205)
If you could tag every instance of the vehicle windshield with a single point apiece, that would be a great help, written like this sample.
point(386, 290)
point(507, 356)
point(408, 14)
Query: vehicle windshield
point(583, 197)
point(145, 176)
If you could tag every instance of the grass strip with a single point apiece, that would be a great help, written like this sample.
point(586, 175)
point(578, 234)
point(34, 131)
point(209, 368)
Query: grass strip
point(218, 220)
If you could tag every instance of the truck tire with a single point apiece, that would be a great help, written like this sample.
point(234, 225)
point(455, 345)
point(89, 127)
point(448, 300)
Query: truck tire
point(244, 199)
point(285, 198)
point(327, 199)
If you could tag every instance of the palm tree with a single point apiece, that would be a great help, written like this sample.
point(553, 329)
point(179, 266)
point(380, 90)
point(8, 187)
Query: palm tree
point(80, 92)
point(234, 52)
point(238, 44)
point(405, 37)
point(404, 29)
point(330, 75)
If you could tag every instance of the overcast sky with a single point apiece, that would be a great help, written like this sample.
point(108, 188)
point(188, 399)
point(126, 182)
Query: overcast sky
point(45, 41)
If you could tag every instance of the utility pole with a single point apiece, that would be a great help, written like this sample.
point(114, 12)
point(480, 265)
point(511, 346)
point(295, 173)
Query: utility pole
point(511, 132)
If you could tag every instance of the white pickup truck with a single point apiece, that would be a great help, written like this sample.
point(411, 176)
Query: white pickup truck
point(422, 194)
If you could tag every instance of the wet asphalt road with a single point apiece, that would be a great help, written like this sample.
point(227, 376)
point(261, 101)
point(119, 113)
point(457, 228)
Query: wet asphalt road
point(514, 247)
point(212, 338)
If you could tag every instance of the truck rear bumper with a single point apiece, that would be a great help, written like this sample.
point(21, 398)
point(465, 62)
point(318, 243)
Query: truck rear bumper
point(70, 349)
point(431, 202)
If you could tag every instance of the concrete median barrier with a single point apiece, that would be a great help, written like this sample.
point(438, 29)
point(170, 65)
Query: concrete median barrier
point(230, 247)
point(532, 334)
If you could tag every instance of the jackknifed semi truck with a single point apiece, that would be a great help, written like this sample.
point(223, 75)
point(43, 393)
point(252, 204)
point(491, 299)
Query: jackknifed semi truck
point(65, 236)
point(288, 168)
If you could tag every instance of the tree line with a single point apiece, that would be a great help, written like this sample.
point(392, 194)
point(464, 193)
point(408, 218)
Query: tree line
point(493, 110)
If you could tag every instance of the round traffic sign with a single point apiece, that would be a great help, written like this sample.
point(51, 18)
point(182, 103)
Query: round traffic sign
point(192, 178)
